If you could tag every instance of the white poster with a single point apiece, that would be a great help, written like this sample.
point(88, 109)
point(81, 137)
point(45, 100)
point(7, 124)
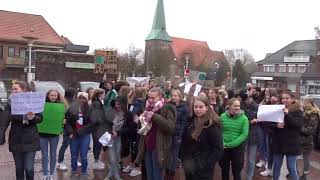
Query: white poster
point(22, 103)
point(188, 86)
point(271, 113)
point(142, 80)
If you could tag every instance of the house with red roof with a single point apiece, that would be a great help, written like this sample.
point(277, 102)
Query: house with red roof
point(51, 53)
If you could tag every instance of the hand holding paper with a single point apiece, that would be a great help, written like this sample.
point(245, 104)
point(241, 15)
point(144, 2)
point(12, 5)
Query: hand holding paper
point(271, 113)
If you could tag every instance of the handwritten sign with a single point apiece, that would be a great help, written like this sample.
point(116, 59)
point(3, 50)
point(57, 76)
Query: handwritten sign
point(271, 113)
point(105, 62)
point(22, 103)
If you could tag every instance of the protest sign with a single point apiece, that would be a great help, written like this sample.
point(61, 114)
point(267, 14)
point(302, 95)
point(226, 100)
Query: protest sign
point(187, 87)
point(22, 103)
point(271, 113)
point(53, 116)
point(142, 80)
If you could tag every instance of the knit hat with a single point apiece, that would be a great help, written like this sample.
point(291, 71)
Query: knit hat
point(83, 94)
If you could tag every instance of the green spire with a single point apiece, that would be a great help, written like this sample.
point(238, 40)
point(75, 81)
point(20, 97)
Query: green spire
point(158, 31)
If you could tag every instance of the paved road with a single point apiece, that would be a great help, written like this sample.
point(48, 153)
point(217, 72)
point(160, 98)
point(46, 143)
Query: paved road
point(7, 168)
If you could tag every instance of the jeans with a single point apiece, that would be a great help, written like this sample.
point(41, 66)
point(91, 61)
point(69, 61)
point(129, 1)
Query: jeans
point(306, 161)
point(80, 144)
point(24, 162)
point(154, 171)
point(64, 146)
point(262, 148)
point(114, 153)
point(252, 151)
point(53, 143)
point(291, 164)
point(175, 153)
point(236, 157)
point(96, 148)
point(269, 150)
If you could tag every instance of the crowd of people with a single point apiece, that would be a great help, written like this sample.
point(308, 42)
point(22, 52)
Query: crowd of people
point(161, 129)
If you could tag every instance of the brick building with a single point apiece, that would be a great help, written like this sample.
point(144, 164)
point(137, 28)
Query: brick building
point(55, 57)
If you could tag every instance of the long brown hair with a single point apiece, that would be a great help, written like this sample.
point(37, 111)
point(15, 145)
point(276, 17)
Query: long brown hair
point(209, 118)
point(97, 93)
point(60, 98)
point(23, 85)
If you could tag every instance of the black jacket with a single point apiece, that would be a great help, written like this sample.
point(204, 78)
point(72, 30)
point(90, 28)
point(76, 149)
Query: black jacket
point(72, 115)
point(98, 120)
point(201, 155)
point(251, 111)
point(22, 137)
point(287, 140)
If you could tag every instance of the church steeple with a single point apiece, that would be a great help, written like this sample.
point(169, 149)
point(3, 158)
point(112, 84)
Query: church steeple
point(159, 31)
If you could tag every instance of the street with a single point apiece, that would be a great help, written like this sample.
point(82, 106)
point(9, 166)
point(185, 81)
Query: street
point(7, 168)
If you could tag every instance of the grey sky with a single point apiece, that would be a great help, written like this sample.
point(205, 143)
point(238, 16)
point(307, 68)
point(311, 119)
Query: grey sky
point(260, 26)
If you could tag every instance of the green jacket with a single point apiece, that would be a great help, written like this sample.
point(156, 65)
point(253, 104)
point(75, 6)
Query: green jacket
point(235, 129)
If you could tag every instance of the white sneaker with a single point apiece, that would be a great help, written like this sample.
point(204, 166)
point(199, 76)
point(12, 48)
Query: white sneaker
point(127, 169)
point(98, 166)
point(79, 164)
point(135, 172)
point(51, 177)
point(267, 172)
point(45, 177)
point(260, 164)
point(61, 166)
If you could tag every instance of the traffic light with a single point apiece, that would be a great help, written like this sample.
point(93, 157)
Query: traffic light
point(186, 72)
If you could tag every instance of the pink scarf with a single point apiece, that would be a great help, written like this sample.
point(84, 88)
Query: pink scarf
point(147, 115)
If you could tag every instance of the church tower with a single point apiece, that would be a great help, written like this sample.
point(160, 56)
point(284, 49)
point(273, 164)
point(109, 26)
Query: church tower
point(158, 54)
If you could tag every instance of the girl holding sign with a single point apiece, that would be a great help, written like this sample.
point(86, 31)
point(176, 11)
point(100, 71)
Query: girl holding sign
point(287, 137)
point(23, 138)
point(50, 129)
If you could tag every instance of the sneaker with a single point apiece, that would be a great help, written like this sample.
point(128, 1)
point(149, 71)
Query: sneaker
point(45, 177)
point(107, 178)
point(98, 166)
point(61, 166)
point(51, 177)
point(260, 164)
point(267, 172)
point(79, 164)
point(127, 169)
point(135, 172)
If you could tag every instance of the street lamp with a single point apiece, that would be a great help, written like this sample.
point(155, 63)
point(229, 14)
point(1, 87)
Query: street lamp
point(30, 40)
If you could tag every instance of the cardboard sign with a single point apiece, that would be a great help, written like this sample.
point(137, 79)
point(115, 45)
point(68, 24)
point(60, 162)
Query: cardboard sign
point(22, 103)
point(105, 62)
point(53, 116)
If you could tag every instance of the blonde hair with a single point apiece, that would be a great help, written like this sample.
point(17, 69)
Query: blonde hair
point(179, 93)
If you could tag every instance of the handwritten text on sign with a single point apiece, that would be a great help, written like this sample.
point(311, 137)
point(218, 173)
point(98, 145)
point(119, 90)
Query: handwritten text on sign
point(22, 103)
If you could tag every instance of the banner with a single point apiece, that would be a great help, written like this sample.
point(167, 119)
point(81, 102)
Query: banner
point(53, 116)
point(187, 87)
point(22, 103)
point(271, 113)
point(142, 80)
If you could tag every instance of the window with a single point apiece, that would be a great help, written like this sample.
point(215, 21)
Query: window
point(1, 52)
point(22, 53)
point(282, 68)
point(292, 68)
point(11, 52)
point(301, 68)
point(268, 68)
point(292, 87)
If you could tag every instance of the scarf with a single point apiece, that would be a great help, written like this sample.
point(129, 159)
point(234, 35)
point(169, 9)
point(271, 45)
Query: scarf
point(146, 116)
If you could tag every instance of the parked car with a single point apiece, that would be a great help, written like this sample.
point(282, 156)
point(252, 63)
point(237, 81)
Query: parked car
point(3, 96)
point(84, 85)
point(45, 86)
point(316, 99)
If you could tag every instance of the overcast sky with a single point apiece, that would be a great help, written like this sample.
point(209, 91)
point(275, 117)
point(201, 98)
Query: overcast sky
point(260, 26)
